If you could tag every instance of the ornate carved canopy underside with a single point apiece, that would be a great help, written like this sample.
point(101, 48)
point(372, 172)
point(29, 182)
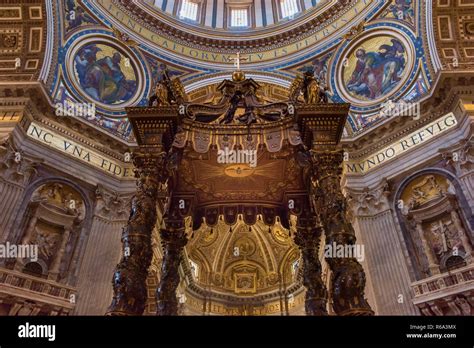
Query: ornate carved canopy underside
point(272, 170)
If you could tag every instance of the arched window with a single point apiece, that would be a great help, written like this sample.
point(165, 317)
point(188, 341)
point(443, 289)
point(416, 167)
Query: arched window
point(288, 8)
point(189, 10)
point(239, 17)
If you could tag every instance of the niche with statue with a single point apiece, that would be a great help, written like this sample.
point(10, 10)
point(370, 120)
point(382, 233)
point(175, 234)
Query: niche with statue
point(436, 225)
point(53, 222)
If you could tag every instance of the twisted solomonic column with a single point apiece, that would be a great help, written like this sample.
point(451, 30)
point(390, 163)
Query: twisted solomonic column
point(348, 277)
point(173, 240)
point(308, 239)
point(129, 280)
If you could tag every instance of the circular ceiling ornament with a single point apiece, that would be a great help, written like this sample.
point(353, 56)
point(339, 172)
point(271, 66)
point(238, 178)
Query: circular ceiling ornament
point(239, 170)
point(246, 246)
point(280, 235)
point(374, 67)
point(105, 72)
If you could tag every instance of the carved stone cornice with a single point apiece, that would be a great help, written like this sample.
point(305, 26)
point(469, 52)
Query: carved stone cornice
point(200, 292)
point(23, 288)
point(445, 98)
point(33, 99)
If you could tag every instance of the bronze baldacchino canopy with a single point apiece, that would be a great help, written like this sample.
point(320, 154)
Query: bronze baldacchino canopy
point(296, 141)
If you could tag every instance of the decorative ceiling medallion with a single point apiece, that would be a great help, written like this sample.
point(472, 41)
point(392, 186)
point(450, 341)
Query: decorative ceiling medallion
point(239, 170)
point(245, 283)
point(280, 235)
point(374, 67)
point(246, 246)
point(105, 72)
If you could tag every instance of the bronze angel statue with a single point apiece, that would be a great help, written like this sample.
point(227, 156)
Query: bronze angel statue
point(307, 89)
point(167, 90)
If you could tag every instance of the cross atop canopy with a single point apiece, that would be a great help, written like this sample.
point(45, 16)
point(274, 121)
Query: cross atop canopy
point(237, 60)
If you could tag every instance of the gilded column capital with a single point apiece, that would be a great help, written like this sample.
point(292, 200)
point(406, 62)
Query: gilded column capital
point(150, 166)
point(327, 163)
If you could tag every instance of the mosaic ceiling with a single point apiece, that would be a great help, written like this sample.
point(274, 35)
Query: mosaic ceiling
point(110, 54)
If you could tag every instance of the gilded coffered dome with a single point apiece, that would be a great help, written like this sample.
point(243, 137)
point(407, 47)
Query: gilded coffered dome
point(243, 264)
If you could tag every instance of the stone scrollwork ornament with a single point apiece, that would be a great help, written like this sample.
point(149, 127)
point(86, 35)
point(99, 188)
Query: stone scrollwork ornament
point(15, 166)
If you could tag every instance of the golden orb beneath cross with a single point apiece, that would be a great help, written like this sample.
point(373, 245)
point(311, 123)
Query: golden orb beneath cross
point(238, 76)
